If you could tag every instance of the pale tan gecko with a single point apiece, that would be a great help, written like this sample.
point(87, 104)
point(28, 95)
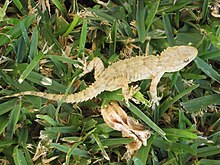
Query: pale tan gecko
point(120, 74)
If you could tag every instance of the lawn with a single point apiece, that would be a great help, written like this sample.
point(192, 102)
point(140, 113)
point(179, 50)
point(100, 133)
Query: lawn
point(44, 46)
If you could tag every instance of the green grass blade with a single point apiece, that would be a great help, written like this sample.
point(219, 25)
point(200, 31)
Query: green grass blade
point(72, 25)
point(20, 7)
point(207, 69)
point(137, 161)
point(7, 106)
point(13, 119)
point(140, 20)
point(61, 101)
point(112, 45)
point(63, 59)
point(168, 30)
point(151, 14)
point(144, 150)
point(208, 151)
point(70, 152)
point(30, 67)
point(212, 36)
point(6, 143)
point(115, 141)
point(47, 119)
point(201, 102)
point(24, 33)
point(14, 84)
point(65, 149)
point(146, 119)
point(208, 162)
point(104, 153)
point(15, 32)
point(46, 82)
point(82, 40)
point(179, 133)
point(3, 10)
point(179, 85)
point(210, 55)
point(34, 43)
point(18, 156)
point(165, 106)
point(178, 5)
point(4, 123)
point(20, 54)
point(205, 7)
point(59, 6)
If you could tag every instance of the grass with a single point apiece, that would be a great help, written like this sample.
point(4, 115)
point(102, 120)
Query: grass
point(41, 44)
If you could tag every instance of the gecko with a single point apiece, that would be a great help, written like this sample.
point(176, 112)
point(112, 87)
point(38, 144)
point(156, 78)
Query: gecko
point(121, 73)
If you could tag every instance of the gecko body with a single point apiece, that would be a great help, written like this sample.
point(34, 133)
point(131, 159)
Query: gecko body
point(120, 74)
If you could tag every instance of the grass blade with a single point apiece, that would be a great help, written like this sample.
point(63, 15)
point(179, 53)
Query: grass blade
point(70, 152)
point(207, 69)
point(30, 67)
point(3, 10)
point(18, 156)
point(46, 82)
point(210, 55)
point(144, 150)
point(201, 102)
point(20, 6)
point(65, 149)
point(104, 153)
point(168, 30)
point(4, 123)
point(59, 6)
point(24, 33)
point(15, 32)
point(7, 106)
point(72, 25)
point(112, 46)
point(209, 162)
point(205, 7)
point(34, 42)
point(151, 14)
point(165, 106)
point(13, 119)
point(146, 119)
point(140, 16)
point(208, 151)
point(20, 53)
point(82, 40)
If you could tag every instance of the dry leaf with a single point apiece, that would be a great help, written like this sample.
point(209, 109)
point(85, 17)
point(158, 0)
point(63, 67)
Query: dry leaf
point(116, 118)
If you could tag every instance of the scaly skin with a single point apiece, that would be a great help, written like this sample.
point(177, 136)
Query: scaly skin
point(120, 74)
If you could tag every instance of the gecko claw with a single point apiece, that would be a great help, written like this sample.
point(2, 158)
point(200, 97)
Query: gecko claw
point(154, 102)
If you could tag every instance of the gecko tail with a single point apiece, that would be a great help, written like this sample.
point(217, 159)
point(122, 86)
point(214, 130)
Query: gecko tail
point(87, 94)
point(91, 92)
point(49, 96)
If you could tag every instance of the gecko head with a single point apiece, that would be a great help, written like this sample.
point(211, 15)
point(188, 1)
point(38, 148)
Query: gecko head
point(175, 58)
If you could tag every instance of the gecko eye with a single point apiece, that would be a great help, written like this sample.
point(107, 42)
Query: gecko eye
point(186, 60)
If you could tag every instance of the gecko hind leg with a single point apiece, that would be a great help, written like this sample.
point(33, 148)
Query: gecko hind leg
point(96, 64)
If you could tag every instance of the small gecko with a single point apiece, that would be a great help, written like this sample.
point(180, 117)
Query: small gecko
point(121, 73)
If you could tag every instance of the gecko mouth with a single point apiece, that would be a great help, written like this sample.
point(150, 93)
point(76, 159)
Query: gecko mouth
point(187, 60)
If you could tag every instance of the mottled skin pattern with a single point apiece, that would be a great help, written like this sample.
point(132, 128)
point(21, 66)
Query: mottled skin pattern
point(120, 74)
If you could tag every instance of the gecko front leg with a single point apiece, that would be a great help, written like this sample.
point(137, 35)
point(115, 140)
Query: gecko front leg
point(129, 92)
point(96, 64)
point(153, 89)
point(122, 83)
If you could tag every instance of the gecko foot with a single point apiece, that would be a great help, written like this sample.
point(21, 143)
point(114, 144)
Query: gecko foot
point(154, 102)
point(83, 65)
point(129, 93)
